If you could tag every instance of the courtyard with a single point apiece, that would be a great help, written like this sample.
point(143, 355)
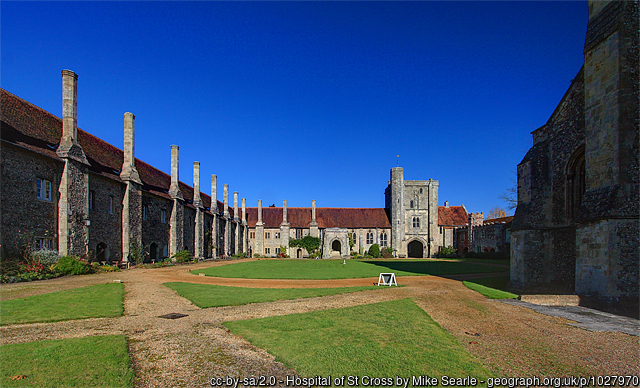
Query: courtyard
point(502, 339)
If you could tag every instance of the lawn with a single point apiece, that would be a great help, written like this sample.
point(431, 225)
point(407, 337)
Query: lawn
point(334, 269)
point(205, 295)
point(386, 339)
point(101, 361)
point(492, 288)
point(101, 300)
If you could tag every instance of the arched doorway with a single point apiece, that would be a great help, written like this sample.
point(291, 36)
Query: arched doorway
point(153, 252)
point(336, 248)
point(102, 252)
point(415, 249)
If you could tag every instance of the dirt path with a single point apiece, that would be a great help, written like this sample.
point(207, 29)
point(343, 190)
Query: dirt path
point(511, 340)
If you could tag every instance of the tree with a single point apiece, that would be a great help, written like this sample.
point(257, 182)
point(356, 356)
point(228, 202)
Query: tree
point(510, 196)
point(374, 250)
point(496, 212)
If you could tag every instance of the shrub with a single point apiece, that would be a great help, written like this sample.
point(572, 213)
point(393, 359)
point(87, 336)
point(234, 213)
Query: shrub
point(109, 268)
point(374, 250)
point(182, 256)
point(387, 252)
point(446, 252)
point(256, 255)
point(68, 265)
point(46, 257)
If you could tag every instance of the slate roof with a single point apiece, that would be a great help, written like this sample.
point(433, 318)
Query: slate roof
point(35, 129)
point(327, 217)
point(452, 216)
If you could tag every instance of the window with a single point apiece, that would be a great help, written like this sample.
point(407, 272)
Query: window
point(165, 251)
point(163, 216)
point(355, 238)
point(267, 251)
point(277, 250)
point(299, 234)
point(43, 243)
point(91, 200)
point(110, 204)
point(575, 185)
point(267, 234)
point(43, 189)
point(416, 222)
point(276, 235)
point(420, 190)
point(252, 234)
point(411, 204)
point(369, 238)
point(383, 239)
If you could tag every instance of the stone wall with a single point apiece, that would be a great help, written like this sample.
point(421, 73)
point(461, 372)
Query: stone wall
point(24, 217)
point(105, 216)
point(154, 229)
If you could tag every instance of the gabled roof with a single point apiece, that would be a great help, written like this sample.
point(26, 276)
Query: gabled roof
point(326, 217)
point(33, 128)
point(452, 216)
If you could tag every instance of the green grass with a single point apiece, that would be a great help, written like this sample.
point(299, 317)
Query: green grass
point(101, 361)
point(101, 300)
point(205, 295)
point(334, 269)
point(385, 339)
point(492, 288)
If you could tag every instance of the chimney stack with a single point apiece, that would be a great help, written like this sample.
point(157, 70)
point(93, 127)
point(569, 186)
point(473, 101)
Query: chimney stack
point(69, 146)
point(214, 194)
point(197, 201)
point(284, 211)
point(225, 194)
point(235, 205)
point(129, 172)
point(260, 212)
point(244, 210)
point(313, 210)
point(174, 189)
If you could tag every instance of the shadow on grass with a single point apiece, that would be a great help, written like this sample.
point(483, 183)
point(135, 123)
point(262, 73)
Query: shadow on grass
point(437, 268)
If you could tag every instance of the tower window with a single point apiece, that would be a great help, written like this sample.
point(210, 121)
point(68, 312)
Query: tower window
point(411, 204)
point(416, 222)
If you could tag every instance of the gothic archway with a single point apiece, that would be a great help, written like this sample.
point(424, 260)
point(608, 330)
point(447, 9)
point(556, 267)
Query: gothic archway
point(336, 246)
point(415, 249)
point(102, 252)
point(153, 252)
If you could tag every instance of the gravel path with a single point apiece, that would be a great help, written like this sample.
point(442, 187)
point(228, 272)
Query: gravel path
point(510, 340)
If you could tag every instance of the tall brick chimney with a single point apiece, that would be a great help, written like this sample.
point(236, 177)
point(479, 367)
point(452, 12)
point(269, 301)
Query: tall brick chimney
point(69, 146)
point(244, 210)
point(225, 194)
point(174, 189)
point(214, 194)
point(129, 171)
point(259, 212)
point(197, 201)
point(235, 205)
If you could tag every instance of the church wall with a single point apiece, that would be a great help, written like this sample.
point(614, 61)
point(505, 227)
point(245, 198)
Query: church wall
point(188, 240)
point(154, 229)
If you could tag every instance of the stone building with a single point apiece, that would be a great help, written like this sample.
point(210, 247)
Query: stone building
point(65, 189)
point(409, 223)
point(576, 227)
point(493, 235)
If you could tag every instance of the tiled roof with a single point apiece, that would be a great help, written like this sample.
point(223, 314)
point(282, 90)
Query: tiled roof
point(452, 216)
point(33, 128)
point(501, 220)
point(327, 217)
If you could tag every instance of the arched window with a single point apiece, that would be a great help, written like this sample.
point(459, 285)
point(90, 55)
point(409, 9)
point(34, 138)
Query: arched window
point(416, 222)
point(411, 204)
point(383, 239)
point(369, 238)
point(576, 186)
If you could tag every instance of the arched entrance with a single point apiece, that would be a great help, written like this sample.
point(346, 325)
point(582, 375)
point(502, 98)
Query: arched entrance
point(336, 248)
point(102, 252)
point(415, 249)
point(153, 252)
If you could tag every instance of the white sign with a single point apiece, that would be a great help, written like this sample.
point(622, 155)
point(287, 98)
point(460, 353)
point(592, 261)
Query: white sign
point(387, 279)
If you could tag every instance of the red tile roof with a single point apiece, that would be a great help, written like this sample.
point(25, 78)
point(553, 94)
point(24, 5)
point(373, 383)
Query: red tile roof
point(452, 216)
point(33, 128)
point(327, 217)
point(501, 220)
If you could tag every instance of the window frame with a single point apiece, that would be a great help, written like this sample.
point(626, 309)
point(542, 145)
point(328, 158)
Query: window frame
point(44, 190)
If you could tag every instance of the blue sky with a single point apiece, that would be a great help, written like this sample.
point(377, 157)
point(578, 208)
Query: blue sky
point(307, 100)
